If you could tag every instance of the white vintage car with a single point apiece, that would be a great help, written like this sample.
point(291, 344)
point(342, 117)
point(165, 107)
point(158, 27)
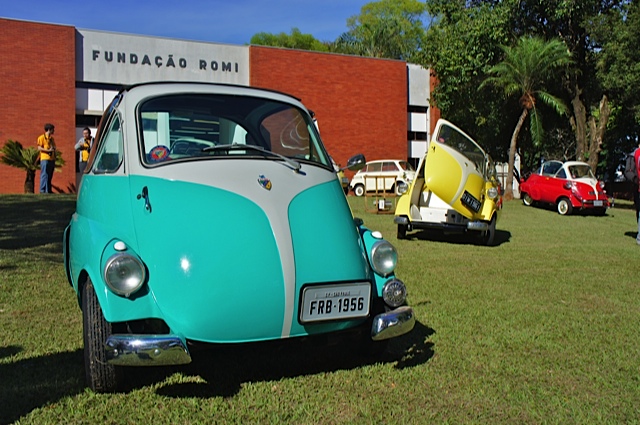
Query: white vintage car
point(386, 175)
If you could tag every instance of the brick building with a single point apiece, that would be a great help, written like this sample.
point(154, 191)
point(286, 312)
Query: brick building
point(66, 76)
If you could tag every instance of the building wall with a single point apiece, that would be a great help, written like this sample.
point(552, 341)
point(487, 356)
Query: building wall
point(38, 86)
point(360, 103)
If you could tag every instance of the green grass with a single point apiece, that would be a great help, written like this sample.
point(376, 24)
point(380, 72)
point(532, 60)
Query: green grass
point(542, 328)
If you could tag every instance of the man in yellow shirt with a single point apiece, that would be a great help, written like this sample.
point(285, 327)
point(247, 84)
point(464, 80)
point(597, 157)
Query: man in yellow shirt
point(84, 146)
point(47, 148)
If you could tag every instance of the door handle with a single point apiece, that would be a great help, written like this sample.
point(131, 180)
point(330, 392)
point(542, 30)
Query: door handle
point(145, 195)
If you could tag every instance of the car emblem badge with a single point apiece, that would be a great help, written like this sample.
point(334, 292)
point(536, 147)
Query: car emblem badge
point(264, 182)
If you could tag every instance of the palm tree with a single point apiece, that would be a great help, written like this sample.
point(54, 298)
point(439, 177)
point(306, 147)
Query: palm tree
point(523, 71)
point(13, 154)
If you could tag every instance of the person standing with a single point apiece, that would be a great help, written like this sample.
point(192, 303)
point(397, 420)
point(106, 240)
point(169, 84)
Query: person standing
point(84, 146)
point(47, 148)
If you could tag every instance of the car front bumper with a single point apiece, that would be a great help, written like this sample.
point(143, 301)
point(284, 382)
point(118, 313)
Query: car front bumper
point(392, 323)
point(146, 350)
point(165, 350)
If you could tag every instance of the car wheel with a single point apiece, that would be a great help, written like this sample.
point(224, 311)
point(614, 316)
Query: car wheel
point(527, 200)
point(358, 190)
point(402, 231)
point(488, 236)
point(101, 377)
point(564, 206)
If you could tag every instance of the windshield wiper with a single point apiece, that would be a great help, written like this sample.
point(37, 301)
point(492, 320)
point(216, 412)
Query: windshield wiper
point(236, 146)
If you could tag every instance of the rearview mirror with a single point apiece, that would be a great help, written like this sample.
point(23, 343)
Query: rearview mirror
point(356, 162)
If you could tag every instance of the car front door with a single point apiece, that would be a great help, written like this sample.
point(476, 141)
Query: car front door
point(454, 169)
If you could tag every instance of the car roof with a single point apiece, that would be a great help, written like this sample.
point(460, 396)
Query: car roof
point(569, 163)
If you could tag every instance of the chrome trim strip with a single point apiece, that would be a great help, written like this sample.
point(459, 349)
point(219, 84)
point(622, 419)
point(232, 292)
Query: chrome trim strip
point(392, 323)
point(146, 350)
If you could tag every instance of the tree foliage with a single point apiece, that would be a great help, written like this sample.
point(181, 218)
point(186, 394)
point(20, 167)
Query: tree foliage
point(386, 29)
point(524, 72)
point(295, 40)
point(14, 155)
point(475, 28)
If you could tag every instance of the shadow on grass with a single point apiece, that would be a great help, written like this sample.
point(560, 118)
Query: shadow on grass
point(501, 237)
point(34, 220)
point(31, 383)
point(28, 384)
point(225, 370)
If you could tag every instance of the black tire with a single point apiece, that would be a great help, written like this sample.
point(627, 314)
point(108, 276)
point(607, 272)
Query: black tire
point(488, 236)
point(358, 190)
point(527, 200)
point(402, 231)
point(100, 376)
point(564, 206)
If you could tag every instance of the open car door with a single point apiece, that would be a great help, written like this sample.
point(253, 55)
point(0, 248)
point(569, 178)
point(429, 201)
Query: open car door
point(454, 169)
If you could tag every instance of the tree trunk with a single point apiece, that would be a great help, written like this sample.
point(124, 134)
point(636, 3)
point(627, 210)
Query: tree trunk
point(596, 132)
point(508, 190)
point(29, 182)
point(579, 125)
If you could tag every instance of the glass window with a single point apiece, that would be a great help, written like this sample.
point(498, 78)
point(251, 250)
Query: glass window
point(195, 127)
point(551, 168)
point(374, 167)
point(389, 166)
point(561, 174)
point(110, 152)
point(406, 166)
point(581, 171)
point(461, 143)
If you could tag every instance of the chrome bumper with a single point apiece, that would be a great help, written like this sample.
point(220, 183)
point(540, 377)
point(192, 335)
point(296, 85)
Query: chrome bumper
point(478, 225)
point(146, 350)
point(392, 323)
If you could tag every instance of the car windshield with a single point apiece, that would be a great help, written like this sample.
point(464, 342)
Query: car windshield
point(406, 166)
point(581, 171)
point(194, 127)
point(467, 147)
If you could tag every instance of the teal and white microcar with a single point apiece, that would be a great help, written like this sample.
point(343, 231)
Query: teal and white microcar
point(212, 214)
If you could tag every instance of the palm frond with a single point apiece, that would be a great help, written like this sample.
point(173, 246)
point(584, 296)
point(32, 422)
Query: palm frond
point(535, 125)
point(553, 101)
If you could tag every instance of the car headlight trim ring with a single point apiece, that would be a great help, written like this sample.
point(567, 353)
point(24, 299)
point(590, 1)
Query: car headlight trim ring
point(124, 274)
point(384, 257)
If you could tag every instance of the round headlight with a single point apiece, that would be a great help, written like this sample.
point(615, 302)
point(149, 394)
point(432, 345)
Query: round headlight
point(384, 258)
point(394, 293)
point(492, 192)
point(124, 274)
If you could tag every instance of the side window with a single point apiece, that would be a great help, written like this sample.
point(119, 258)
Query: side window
point(561, 174)
point(110, 152)
point(389, 166)
point(376, 167)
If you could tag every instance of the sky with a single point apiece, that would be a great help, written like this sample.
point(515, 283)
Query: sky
point(218, 21)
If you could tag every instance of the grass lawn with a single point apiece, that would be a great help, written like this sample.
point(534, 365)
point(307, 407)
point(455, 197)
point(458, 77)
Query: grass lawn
point(542, 328)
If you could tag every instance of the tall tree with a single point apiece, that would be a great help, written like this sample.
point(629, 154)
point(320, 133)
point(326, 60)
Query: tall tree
point(386, 29)
point(576, 22)
point(525, 69)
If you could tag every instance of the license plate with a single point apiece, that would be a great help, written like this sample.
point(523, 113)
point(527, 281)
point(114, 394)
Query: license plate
point(332, 302)
point(470, 201)
point(597, 203)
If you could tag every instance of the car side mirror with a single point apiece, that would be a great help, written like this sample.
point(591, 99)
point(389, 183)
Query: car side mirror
point(356, 162)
